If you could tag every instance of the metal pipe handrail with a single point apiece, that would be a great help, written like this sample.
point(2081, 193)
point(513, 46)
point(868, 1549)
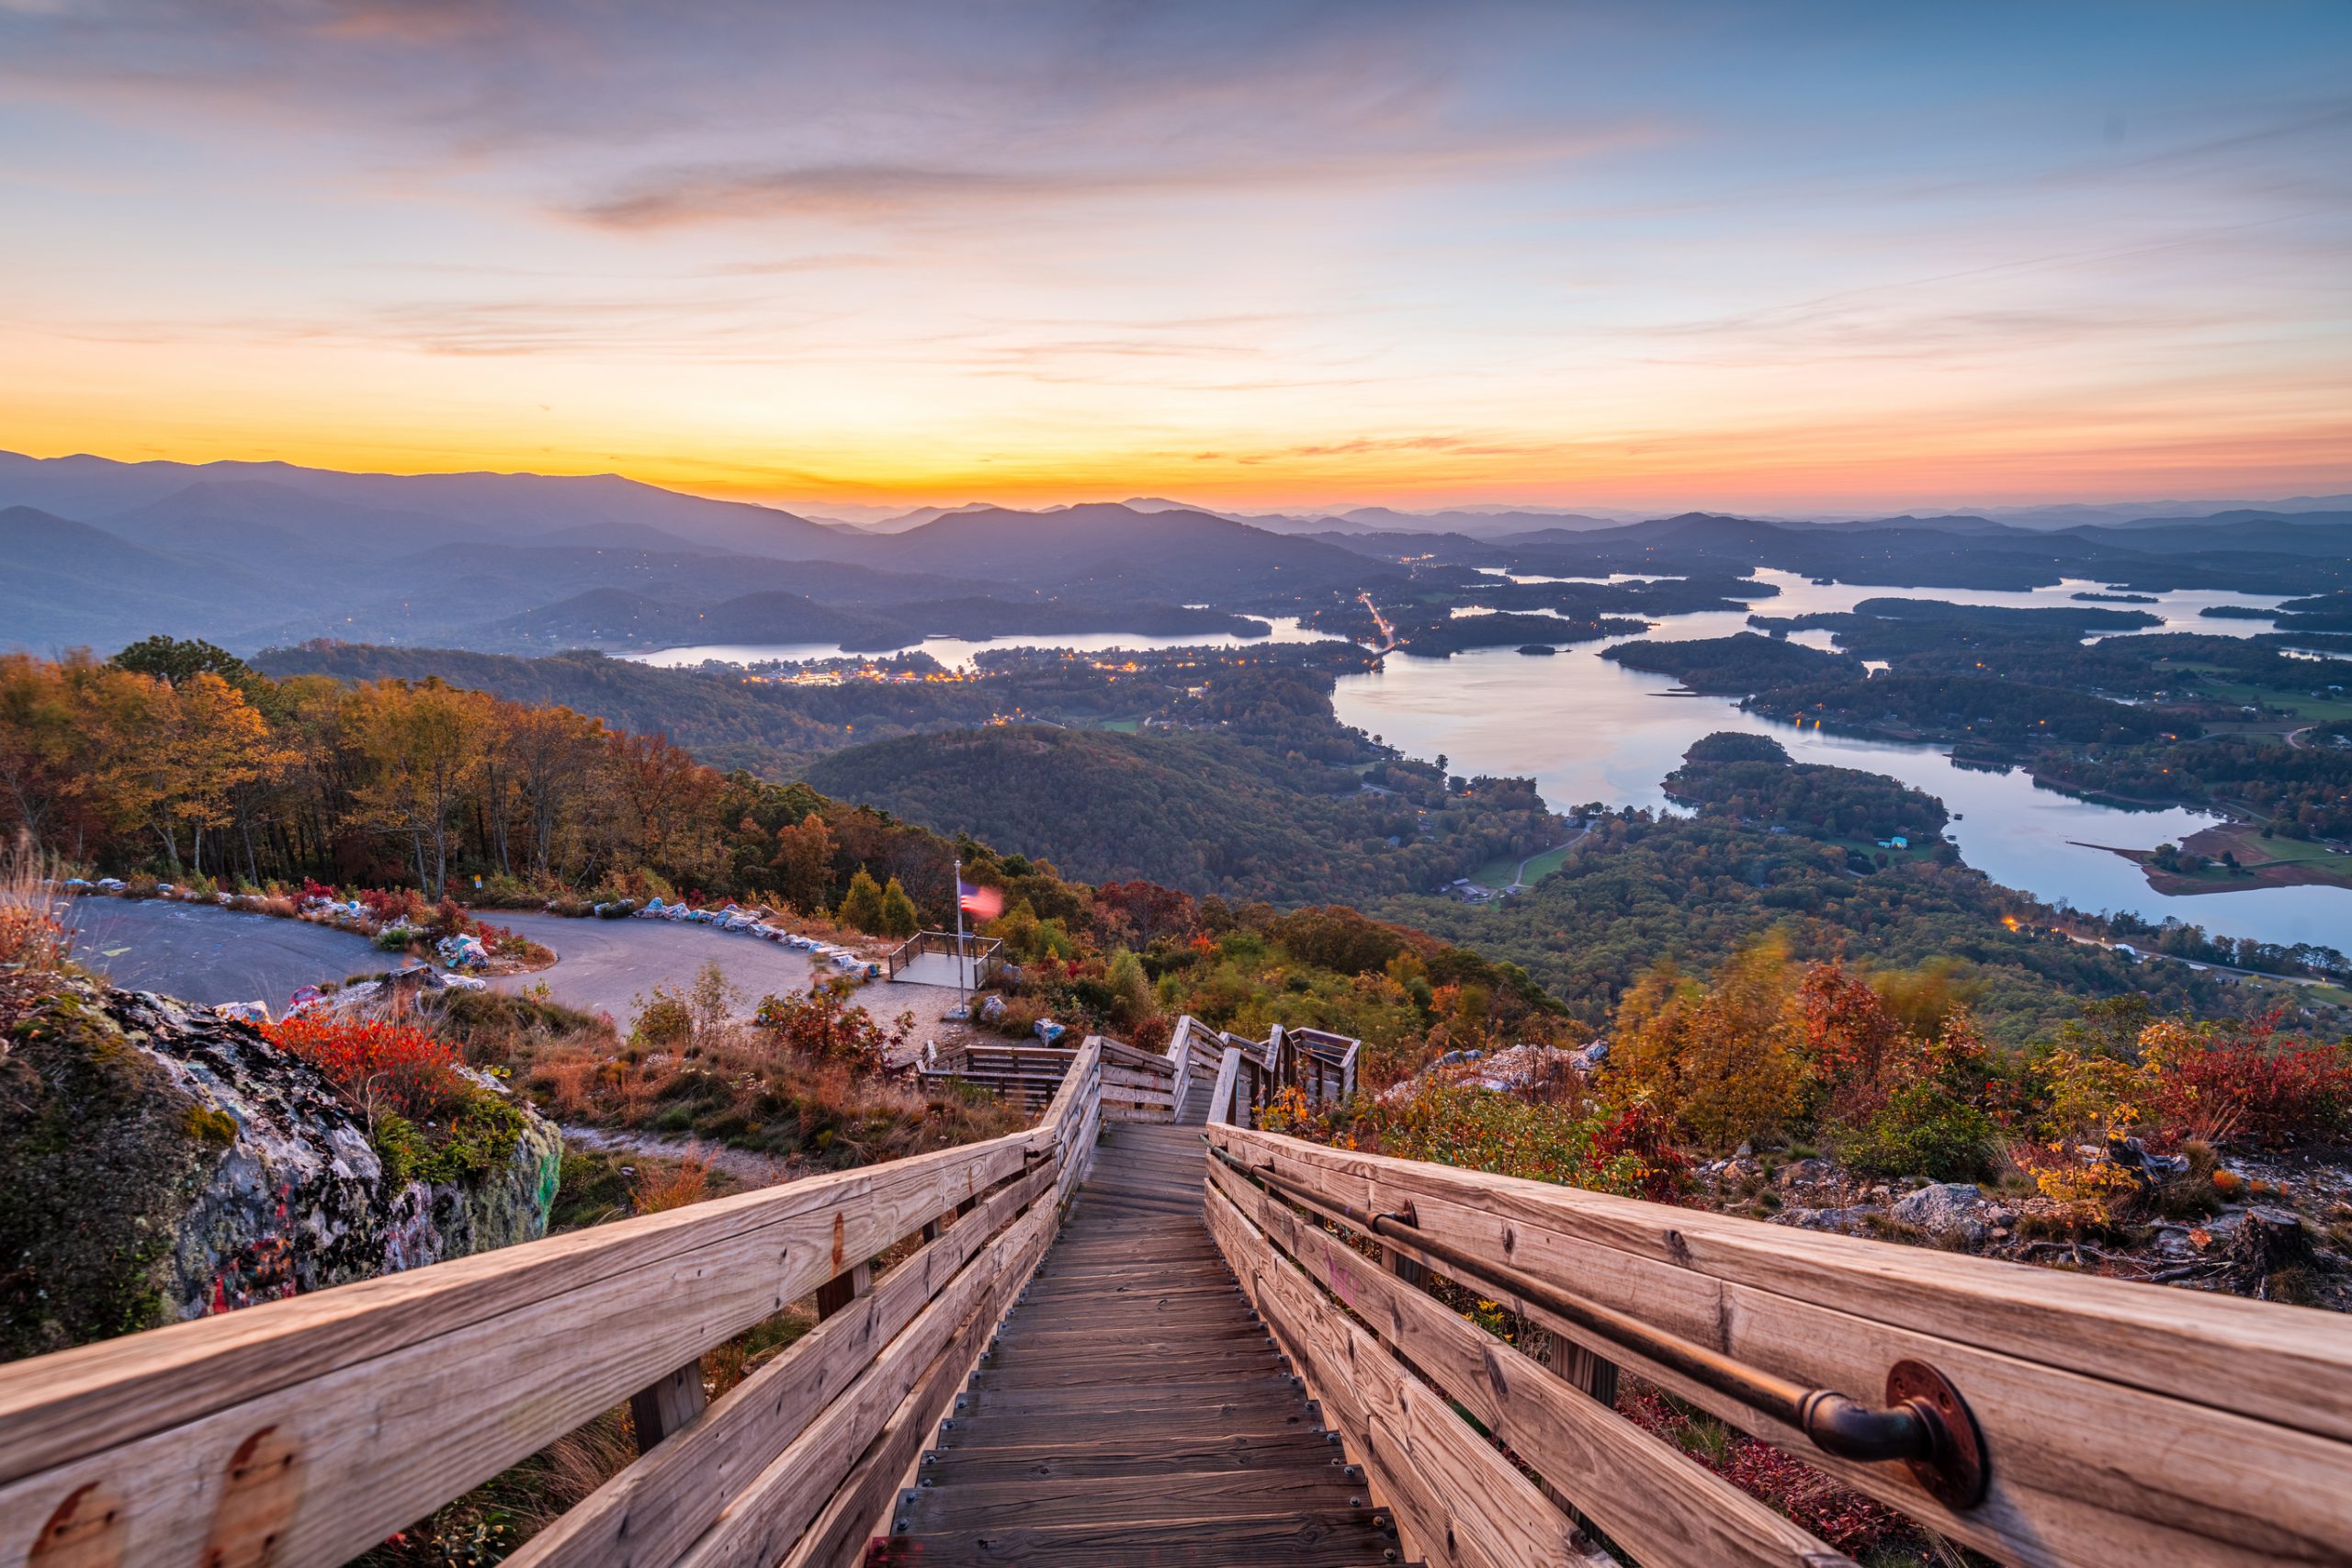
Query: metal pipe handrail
point(1927, 1425)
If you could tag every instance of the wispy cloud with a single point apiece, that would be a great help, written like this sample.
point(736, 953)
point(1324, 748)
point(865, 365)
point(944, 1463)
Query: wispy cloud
point(1255, 242)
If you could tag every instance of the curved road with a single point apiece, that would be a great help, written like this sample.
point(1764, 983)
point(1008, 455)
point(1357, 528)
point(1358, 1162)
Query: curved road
point(207, 954)
point(609, 965)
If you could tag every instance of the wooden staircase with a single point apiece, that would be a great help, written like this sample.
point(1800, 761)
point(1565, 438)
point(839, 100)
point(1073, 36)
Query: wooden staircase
point(1133, 1409)
point(1053, 1347)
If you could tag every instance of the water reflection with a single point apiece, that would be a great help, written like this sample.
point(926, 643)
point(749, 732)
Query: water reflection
point(955, 652)
point(1587, 729)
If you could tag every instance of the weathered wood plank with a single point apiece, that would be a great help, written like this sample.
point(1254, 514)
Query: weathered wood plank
point(653, 1511)
point(669, 1407)
point(1171, 1501)
point(1651, 1500)
point(402, 1391)
point(2252, 1357)
point(1125, 1451)
point(1457, 1499)
point(860, 1506)
point(2075, 1480)
point(1221, 1109)
point(764, 1521)
point(1336, 1537)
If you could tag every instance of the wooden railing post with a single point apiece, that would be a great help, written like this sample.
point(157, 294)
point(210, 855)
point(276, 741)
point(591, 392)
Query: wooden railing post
point(842, 1289)
point(1228, 1081)
point(669, 1407)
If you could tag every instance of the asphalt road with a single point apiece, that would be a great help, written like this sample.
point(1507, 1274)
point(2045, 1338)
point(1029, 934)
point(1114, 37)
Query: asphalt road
point(205, 954)
point(609, 965)
point(209, 955)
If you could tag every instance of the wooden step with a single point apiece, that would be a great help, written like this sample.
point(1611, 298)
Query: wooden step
point(1123, 1451)
point(1336, 1537)
point(1257, 1400)
point(1134, 1372)
point(1177, 1497)
point(981, 1431)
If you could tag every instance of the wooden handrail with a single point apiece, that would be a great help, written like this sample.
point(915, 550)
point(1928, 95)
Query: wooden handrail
point(323, 1423)
point(1223, 1106)
point(1180, 1060)
point(2120, 1421)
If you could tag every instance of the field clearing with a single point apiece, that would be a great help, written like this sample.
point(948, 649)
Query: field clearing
point(1500, 872)
point(2304, 706)
point(2262, 863)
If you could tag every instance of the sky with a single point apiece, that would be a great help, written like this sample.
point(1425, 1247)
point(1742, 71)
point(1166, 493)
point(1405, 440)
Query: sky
point(1258, 255)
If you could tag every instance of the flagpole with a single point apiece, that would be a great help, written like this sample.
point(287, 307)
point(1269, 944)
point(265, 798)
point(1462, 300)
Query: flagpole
point(964, 991)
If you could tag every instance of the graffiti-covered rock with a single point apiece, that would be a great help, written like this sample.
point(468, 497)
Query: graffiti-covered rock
point(160, 1162)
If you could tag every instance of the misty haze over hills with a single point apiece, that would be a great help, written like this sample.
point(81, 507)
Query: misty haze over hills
point(1499, 520)
point(251, 554)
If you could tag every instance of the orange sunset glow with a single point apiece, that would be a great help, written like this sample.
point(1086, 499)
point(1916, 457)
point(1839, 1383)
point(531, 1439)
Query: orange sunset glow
point(1274, 258)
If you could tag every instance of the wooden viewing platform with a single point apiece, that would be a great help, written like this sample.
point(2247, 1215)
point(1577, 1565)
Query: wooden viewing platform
point(1144, 1331)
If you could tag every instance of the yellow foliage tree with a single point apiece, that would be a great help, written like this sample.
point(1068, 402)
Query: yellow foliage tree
point(1721, 1060)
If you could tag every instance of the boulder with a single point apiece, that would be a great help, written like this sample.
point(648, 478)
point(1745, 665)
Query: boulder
point(1805, 1172)
point(1856, 1220)
point(2266, 1243)
point(1945, 1209)
point(160, 1162)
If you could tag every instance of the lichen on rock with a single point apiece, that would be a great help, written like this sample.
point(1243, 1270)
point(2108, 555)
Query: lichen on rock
point(160, 1162)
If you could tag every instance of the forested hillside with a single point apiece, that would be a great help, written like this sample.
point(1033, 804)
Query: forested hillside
point(1276, 694)
point(1750, 779)
point(1640, 890)
point(178, 760)
point(1209, 813)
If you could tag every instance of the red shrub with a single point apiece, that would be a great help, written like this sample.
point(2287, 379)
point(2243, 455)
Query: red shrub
point(823, 1026)
point(390, 1066)
point(2255, 1085)
point(389, 906)
point(1845, 1519)
point(1641, 1131)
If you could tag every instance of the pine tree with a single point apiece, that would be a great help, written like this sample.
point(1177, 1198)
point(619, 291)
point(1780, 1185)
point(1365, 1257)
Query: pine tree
point(861, 908)
point(897, 912)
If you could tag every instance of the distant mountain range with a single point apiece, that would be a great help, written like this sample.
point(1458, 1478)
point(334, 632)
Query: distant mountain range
point(1501, 522)
point(251, 554)
point(100, 553)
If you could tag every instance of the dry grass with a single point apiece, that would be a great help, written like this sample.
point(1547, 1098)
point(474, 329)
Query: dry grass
point(724, 1081)
point(36, 940)
point(672, 1187)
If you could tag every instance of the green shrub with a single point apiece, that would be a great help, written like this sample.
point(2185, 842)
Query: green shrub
point(898, 914)
point(667, 1020)
point(1925, 1130)
point(861, 908)
point(480, 1138)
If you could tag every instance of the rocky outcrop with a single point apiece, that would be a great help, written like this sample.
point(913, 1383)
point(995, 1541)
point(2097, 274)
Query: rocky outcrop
point(1947, 1210)
point(161, 1162)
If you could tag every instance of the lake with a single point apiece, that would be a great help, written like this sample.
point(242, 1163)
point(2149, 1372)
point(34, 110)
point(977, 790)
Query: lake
point(957, 653)
point(1587, 729)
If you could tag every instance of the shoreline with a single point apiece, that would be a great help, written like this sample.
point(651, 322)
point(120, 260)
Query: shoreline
point(2252, 877)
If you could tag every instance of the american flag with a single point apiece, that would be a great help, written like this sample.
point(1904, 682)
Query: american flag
point(981, 903)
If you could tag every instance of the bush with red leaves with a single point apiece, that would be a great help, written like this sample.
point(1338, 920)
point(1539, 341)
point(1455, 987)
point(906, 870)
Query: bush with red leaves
point(1842, 1517)
point(1640, 1130)
point(2249, 1082)
point(379, 1067)
point(823, 1026)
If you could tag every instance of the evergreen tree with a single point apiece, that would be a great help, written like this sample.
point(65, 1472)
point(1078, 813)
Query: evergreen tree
point(862, 905)
point(897, 912)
